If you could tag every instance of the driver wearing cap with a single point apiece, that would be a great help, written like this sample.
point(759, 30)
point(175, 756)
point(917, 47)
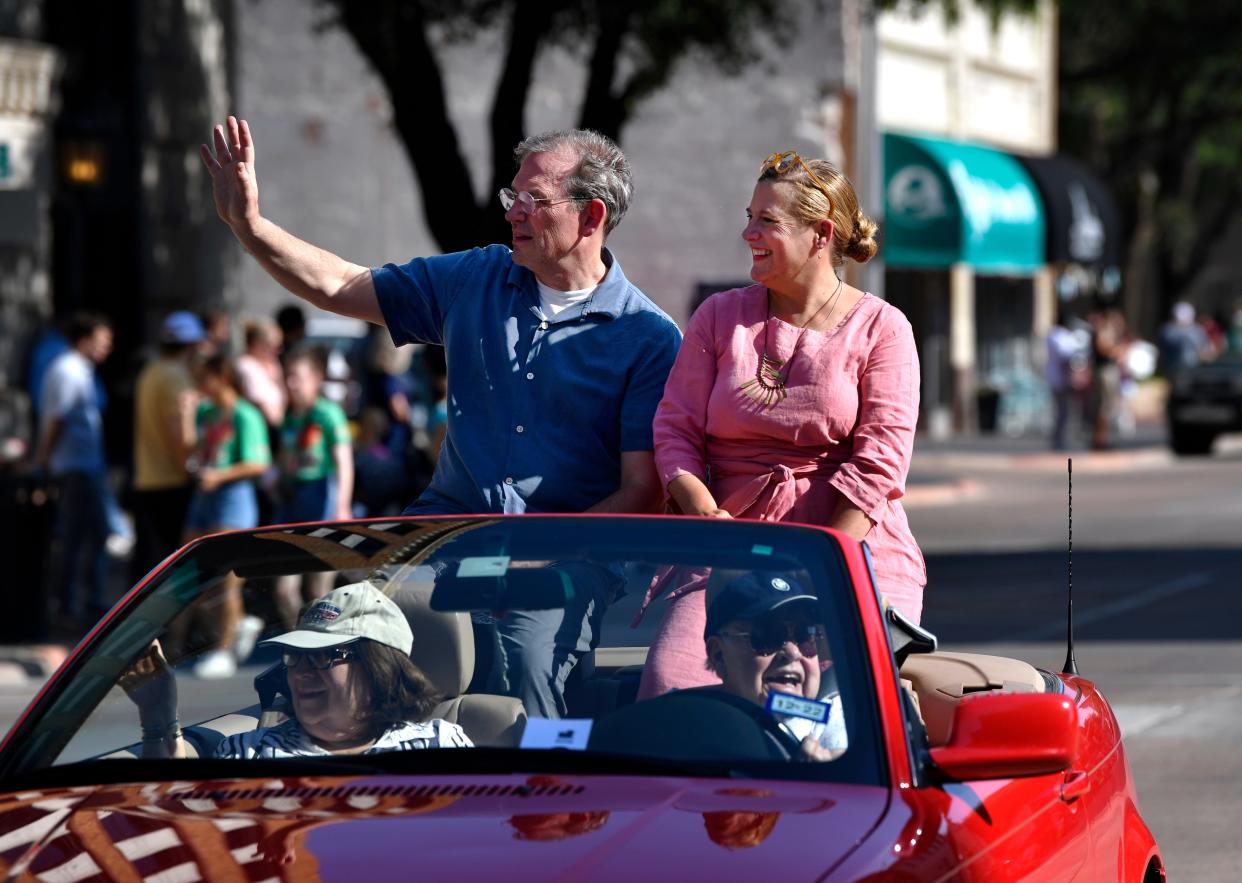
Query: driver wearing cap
point(764, 635)
point(352, 686)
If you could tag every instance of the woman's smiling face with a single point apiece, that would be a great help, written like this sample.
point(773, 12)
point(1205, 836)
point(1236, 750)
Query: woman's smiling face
point(781, 245)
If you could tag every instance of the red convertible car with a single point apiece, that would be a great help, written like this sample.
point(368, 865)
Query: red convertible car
point(863, 755)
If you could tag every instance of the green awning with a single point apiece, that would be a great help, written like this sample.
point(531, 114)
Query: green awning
point(948, 202)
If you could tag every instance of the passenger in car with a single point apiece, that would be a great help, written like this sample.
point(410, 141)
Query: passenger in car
point(352, 685)
point(793, 399)
point(764, 636)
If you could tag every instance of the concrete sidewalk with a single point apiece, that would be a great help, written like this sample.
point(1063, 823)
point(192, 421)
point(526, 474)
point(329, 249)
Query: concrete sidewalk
point(953, 471)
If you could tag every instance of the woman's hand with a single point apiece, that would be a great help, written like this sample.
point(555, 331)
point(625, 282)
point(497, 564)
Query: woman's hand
point(210, 479)
point(851, 520)
point(693, 498)
point(149, 682)
point(816, 753)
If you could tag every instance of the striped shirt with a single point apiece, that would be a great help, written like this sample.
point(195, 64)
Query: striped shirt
point(290, 740)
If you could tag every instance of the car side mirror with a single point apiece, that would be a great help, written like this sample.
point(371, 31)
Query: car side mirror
point(1005, 735)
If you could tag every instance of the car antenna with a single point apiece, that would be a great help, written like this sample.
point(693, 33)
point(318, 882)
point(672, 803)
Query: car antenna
point(1071, 666)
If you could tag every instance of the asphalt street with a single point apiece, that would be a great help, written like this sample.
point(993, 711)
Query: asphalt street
point(1157, 554)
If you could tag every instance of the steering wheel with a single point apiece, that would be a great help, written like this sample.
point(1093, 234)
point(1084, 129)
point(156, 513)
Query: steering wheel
point(700, 723)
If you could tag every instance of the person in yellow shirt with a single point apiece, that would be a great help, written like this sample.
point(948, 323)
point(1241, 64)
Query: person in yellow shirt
point(164, 408)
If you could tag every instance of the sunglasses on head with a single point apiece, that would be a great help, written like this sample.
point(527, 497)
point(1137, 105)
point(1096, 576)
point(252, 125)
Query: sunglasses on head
point(780, 163)
point(318, 659)
point(769, 636)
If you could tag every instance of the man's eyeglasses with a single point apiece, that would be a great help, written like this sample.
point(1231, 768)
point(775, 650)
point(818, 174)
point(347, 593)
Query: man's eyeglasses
point(766, 638)
point(318, 659)
point(780, 163)
point(528, 203)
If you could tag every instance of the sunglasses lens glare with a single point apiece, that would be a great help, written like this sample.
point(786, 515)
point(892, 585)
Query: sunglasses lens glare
point(767, 638)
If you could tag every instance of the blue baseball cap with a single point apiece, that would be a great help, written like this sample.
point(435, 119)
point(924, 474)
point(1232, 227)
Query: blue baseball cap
point(182, 327)
point(751, 596)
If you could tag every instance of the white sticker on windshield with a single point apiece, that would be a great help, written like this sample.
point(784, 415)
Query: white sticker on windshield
point(571, 733)
point(799, 706)
point(488, 565)
point(761, 550)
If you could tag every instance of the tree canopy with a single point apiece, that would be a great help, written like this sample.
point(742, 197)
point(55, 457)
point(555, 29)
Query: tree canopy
point(1151, 95)
point(629, 51)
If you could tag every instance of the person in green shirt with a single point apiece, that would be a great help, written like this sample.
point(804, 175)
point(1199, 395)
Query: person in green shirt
point(231, 451)
point(316, 468)
point(316, 453)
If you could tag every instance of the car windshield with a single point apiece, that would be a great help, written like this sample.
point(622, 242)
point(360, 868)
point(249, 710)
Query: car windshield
point(527, 639)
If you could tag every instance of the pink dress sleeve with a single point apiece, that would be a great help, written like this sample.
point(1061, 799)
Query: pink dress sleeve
point(680, 428)
point(888, 410)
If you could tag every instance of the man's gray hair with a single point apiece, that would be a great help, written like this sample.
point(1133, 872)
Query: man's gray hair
point(602, 172)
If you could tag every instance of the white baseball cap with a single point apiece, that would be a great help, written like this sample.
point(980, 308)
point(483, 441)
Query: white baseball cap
point(358, 610)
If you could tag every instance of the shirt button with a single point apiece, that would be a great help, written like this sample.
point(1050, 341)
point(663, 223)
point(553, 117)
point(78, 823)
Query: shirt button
point(543, 326)
point(530, 375)
point(508, 479)
point(521, 428)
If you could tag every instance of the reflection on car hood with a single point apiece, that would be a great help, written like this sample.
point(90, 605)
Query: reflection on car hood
point(513, 827)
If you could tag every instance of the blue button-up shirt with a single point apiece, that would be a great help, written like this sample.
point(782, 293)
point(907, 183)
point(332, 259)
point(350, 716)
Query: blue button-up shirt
point(539, 410)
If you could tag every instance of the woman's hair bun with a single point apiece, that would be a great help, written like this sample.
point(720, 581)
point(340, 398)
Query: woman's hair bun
point(862, 245)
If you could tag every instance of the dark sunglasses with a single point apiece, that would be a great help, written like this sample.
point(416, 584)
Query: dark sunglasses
point(318, 659)
point(766, 638)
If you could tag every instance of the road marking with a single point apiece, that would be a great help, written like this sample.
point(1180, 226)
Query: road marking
point(1156, 593)
point(1135, 718)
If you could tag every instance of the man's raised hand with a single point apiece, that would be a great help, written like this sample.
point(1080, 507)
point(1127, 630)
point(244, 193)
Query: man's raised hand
point(231, 165)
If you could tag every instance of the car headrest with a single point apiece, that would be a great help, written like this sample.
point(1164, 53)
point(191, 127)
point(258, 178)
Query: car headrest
point(443, 640)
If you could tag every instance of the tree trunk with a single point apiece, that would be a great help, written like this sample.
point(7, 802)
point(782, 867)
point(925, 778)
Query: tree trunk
point(529, 23)
point(401, 56)
point(602, 109)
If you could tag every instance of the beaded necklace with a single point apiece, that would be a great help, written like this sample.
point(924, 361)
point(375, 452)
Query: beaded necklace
point(767, 387)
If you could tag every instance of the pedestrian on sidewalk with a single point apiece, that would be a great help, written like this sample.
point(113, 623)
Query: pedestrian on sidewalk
point(1183, 342)
point(794, 399)
point(71, 450)
point(164, 407)
point(231, 453)
point(1109, 342)
point(1067, 370)
point(316, 464)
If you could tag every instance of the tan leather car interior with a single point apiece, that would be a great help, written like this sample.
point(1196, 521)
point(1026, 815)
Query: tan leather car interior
point(444, 650)
point(940, 680)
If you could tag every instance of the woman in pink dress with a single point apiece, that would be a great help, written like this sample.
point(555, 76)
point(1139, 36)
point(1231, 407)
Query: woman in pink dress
point(794, 399)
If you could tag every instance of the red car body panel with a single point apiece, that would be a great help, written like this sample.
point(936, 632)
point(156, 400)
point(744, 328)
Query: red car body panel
point(1040, 827)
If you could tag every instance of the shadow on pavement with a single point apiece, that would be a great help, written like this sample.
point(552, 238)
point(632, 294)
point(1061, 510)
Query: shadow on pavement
point(1173, 594)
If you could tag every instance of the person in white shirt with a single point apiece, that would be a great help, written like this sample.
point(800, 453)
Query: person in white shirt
point(352, 685)
point(71, 449)
point(764, 635)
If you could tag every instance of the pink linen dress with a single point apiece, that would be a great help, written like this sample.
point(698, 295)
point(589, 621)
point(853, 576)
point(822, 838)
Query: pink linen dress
point(845, 429)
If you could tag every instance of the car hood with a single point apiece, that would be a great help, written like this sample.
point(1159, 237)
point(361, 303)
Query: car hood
point(503, 828)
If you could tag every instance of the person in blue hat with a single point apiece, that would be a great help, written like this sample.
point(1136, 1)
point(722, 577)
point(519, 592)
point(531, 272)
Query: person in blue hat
point(164, 405)
point(765, 635)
